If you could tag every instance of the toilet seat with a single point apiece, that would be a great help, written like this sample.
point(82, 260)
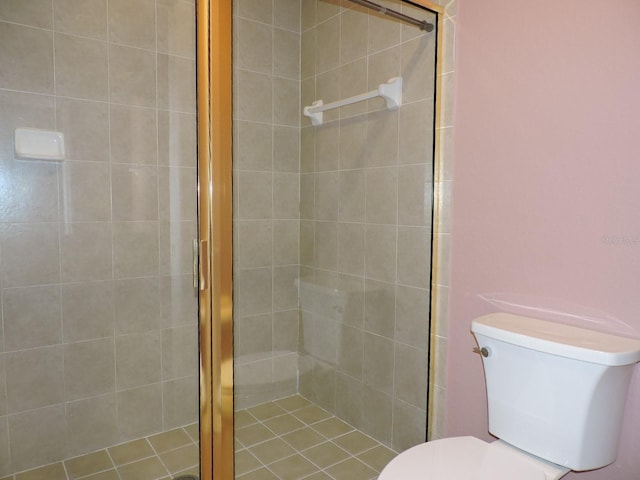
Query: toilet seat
point(462, 458)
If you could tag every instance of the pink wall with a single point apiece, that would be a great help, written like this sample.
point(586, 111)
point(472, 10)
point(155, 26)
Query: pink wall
point(546, 200)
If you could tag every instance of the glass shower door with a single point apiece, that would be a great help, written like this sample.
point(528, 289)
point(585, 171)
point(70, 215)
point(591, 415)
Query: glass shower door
point(99, 338)
point(332, 237)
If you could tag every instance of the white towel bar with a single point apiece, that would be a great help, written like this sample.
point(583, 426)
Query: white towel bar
point(390, 91)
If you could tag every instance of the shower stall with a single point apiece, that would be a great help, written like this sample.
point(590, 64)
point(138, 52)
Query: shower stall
point(332, 234)
point(138, 219)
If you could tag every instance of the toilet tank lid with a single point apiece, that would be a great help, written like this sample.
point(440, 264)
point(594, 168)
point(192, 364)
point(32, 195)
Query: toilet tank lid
point(559, 339)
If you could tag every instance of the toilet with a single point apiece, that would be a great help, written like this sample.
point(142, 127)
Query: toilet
point(556, 396)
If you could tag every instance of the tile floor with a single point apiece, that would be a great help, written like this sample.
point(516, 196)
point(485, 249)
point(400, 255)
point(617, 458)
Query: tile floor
point(293, 439)
point(161, 456)
point(287, 439)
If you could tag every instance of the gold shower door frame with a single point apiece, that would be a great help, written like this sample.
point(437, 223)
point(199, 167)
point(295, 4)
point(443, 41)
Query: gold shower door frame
point(215, 255)
point(214, 64)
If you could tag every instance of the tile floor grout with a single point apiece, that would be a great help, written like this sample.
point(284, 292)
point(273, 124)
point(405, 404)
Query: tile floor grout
point(286, 439)
point(318, 470)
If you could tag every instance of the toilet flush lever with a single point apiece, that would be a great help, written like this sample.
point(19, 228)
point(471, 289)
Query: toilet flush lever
point(484, 351)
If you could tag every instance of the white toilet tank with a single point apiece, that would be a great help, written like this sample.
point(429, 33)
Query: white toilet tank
point(556, 391)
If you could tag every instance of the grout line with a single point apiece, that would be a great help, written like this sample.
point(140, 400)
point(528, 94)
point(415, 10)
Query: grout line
point(298, 451)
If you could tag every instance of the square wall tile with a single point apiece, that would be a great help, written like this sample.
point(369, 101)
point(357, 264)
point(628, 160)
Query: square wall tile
point(139, 412)
point(178, 301)
point(255, 146)
point(31, 254)
point(32, 191)
point(91, 426)
point(87, 188)
point(349, 399)
point(379, 307)
point(254, 337)
point(34, 378)
point(286, 53)
point(135, 192)
point(179, 352)
point(378, 363)
point(177, 139)
point(87, 310)
point(412, 316)
point(87, 18)
point(86, 128)
point(328, 36)
point(180, 404)
point(410, 375)
point(88, 368)
point(86, 252)
point(81, 67)
point(132, 76)
point(256, 195)
point(36, 13)
point(377, 414)
point(35, 437)
point(176, 83)
point(380, 252)
point(414, 256)
point(132, 23)
point(134, 135)
point(135, 249)
point(415, 192)
point(286, 149)
point(255, 10)
point(255, 96)
point(382, 195)
point(31, 317)
point(286, 14)
point(254, 291)
point(408, 426)
point(176, 247)
point(176, 28)
point(254, 46)
point(138, 359)
point(178, 194)
point(30, 56)
point(286, 95)
point(136, 306)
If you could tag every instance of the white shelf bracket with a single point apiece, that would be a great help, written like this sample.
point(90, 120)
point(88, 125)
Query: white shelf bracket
point(316, 116)
point(392, 93)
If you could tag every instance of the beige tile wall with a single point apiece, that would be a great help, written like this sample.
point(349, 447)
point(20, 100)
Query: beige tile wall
point(365, 228)
point(266, 198)
point(98, 342)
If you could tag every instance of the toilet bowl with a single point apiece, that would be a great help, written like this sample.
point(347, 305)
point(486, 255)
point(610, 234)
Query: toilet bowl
point(555, 395)
point(464, 458)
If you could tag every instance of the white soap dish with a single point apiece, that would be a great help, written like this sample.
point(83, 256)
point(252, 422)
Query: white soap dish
point(36, 144)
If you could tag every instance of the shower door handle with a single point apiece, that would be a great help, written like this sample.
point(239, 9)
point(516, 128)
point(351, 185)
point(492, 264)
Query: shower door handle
point(195, 272)
point(204, 264)
point(200, 264)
